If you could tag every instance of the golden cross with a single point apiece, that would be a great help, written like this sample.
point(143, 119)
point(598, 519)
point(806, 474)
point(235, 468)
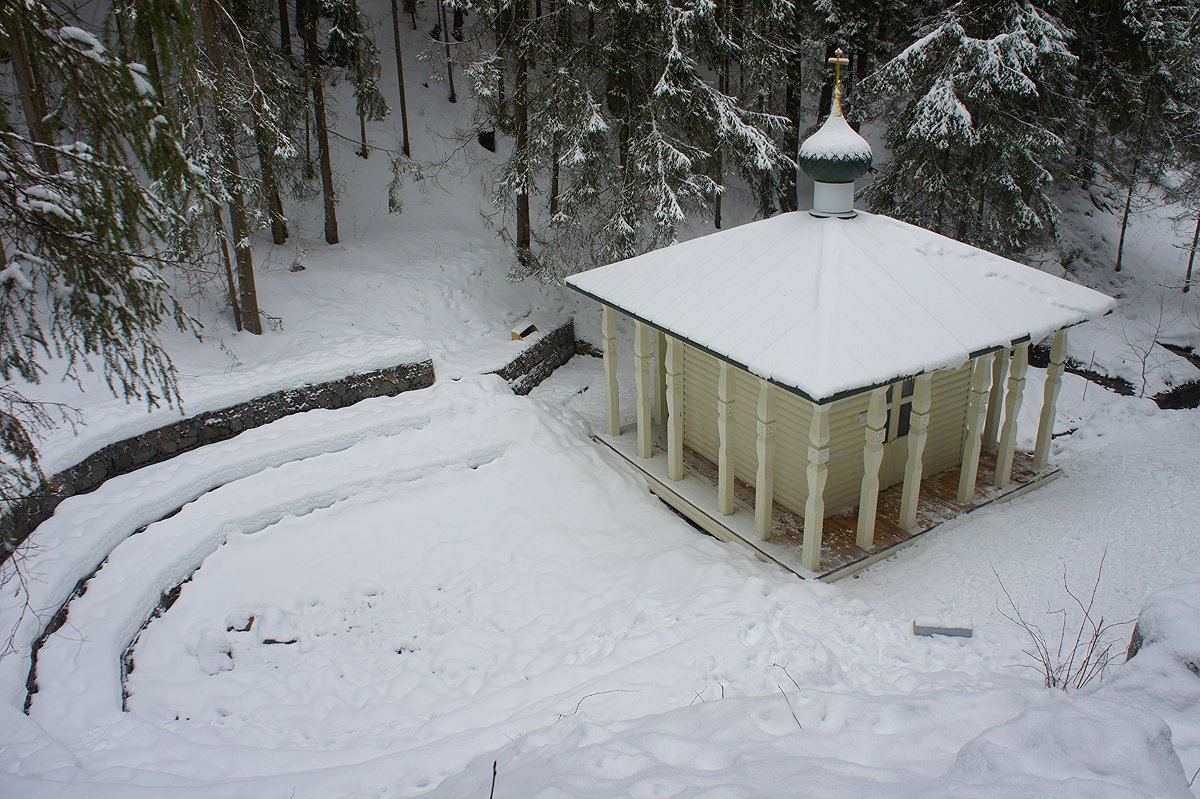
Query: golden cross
point(839, 60)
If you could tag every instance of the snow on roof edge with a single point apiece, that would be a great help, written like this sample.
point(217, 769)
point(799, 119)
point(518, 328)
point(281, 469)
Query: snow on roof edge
point(823, 389)
point(824, 400)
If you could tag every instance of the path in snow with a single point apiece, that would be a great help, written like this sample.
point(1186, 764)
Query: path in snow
point(442, 600)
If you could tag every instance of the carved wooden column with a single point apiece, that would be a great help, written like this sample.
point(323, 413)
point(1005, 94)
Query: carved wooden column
point(977, 406)
point(674, 408)
point(725, 411)
point(991, 430)
point(608, 329)
point(764, 495)
point(818, 473)
point(1054, 373)
point(868, 498)
point(918, 433)
point(1012, 408)
point(641, 377)
point(660, 378)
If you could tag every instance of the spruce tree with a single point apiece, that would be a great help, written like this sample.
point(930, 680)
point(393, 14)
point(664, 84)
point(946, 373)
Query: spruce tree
point(350, 47)
point(405, 146)
point(308, 13)
point(869, 31)
point(1183, 117)
point(972, 129)
point(620, 121)
point(274, 96)
point(226, 114)
point(81, 229)
point(238, 98)
point(1142, 109)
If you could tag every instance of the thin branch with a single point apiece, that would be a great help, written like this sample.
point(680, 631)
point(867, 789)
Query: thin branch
point(789, 704)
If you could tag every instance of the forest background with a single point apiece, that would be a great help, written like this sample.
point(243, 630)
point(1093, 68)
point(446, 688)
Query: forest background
point(142, 140)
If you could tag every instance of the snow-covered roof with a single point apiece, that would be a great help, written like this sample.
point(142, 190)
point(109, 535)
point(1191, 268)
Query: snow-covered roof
point(830, 307)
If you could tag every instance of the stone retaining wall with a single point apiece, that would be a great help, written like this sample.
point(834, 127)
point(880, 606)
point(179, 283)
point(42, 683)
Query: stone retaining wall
point(1182, 396)
point(170, 440)
point(535, 364)
point(525, 372)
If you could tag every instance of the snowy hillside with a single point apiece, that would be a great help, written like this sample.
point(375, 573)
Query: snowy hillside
point(456, 593)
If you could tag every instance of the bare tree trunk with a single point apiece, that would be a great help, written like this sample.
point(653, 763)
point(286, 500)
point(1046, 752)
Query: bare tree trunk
point(219, 218)
point(313, 58)
point(555, 188)
point(119, 17)
point(722, 86)
point(449, 63)
point(503, 18)
point(1187, 279)
point(624, 132)
point(143, 35)
point(365, 152)
point(979, 209)
point(825, 103)
point(308, 164)
point(285, 32)
point(940, 212)
point(962, 225)
point(562, 37)
point(33, 99)
point(521, 117)
point(719, 179)
point(794, 111)
point(1133, 176)
point(400, 78)
point(247, 292)
point(1085, 160)
point(410, 8)
point(266, 163)
point(1125, 215)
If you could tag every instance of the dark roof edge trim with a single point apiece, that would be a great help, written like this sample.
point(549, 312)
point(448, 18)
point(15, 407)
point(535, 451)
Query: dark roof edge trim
point(840, 395)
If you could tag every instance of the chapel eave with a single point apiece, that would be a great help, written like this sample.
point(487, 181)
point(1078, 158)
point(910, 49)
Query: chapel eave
point(829, 309)
point(792, 389)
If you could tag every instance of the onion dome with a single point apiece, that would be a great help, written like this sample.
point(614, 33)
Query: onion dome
point(836, 153)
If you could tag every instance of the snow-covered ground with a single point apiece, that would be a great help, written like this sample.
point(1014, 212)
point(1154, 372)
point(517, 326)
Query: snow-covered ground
point(430, 281)
point(433, 280)
point(1150, 303)
point(387, 599)
point(397, 598)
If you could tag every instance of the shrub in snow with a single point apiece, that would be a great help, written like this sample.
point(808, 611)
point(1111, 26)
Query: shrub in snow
point(1079, 652)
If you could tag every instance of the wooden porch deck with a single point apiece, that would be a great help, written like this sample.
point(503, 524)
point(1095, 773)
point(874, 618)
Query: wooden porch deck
point(840, 556)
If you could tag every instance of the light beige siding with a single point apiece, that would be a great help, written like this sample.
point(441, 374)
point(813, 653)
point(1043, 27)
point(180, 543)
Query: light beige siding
point(700, 414)
point(846, 442)
point(947, 420)
point(793, 415)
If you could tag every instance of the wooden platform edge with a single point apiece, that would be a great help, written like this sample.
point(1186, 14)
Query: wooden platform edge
point(1047, 476)
point(707, 522)
point(701, 518)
